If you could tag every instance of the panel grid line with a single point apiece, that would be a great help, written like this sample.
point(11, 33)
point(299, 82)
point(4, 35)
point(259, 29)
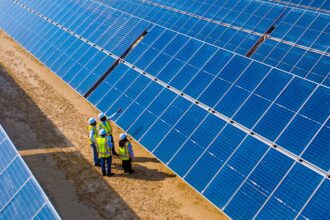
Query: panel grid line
point(6, 167)
point(310, 198)
point(38, 211)
point(13, 196)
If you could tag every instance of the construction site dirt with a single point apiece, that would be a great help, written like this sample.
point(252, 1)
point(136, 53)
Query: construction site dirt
point(47, 121)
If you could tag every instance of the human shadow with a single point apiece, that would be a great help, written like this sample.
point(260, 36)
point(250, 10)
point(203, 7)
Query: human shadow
point(142, 173)
point(146, 160)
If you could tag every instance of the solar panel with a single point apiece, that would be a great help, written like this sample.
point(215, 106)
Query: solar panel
point(315, 5)
point(243, 133)
point(21, 196)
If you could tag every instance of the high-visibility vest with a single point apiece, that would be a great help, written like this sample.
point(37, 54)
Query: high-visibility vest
point(90, 127)
point(106, 126)
point(123, 152)
point(103, 148)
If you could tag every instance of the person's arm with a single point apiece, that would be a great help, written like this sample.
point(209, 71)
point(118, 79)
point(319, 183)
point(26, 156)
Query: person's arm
point(91, 135)
point(130, 150)
point(114, 114)
point(97, 148)
point(110, 143)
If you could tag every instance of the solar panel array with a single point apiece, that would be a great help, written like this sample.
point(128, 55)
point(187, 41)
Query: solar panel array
point(250, 134)
point(20, 194)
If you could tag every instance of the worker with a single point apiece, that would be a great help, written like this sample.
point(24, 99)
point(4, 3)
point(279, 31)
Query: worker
point(105, 124)
point(93, 134)
point(104, 146)
point(126, 153)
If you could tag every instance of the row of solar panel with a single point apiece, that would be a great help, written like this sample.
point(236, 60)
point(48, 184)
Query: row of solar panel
point(232, 169)
point(20, 195)
point(76, 62)
point(317, 5)
point(110, 29)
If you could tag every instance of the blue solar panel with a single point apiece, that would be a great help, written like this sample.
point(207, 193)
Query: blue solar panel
point(243, 133)
point(315, 5)
point(21, 196)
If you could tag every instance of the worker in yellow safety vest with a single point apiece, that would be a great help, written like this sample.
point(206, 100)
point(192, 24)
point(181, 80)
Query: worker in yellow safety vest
point(105, 124)
point(104, 146)
point(126, 153)
point(93, 134)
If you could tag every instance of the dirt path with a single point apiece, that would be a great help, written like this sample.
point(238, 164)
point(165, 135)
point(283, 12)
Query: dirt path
point(47, 122)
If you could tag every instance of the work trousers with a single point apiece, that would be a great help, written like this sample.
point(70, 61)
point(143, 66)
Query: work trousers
point(113, 145)
point(95, 155)
point(127, 165)
point(106, 165)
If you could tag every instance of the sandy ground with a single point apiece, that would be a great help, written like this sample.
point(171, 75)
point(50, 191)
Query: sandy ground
point(46, 120)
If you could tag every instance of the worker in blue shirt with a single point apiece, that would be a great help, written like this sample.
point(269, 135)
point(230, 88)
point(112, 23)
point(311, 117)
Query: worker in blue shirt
point(104, 146)
point(126, 153)
point(105, 124)
point(93, 134)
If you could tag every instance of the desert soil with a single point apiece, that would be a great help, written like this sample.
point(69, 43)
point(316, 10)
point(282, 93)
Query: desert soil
point(47, 121)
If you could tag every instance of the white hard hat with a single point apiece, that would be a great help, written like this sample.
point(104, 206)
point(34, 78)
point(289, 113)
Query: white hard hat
point(91, 120)
point(102, 132)
point(101, 115)
point(122, 136)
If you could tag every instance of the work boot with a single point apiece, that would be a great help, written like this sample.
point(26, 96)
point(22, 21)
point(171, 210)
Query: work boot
point(111, 174)
point(103, 174)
